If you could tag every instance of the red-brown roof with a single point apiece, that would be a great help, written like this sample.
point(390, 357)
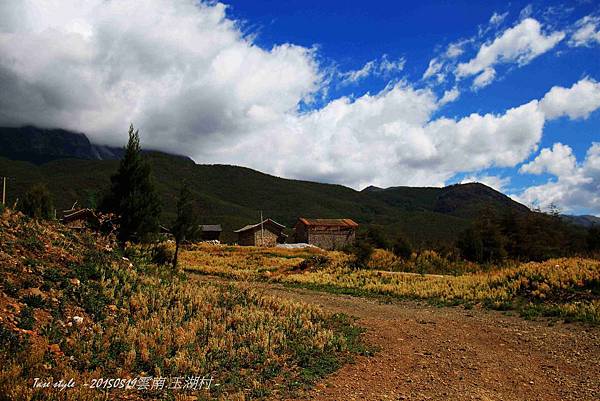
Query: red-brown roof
point(328, 222)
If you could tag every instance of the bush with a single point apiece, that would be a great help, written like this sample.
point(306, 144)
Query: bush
point(162, 254)
point(362, 251)
point(37, 203)
point(376, 238)
point(26, 318)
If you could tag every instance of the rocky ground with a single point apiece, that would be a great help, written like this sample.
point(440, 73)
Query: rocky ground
point(431, 353)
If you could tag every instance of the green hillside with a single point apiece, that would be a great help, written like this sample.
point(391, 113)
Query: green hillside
point(234, 196)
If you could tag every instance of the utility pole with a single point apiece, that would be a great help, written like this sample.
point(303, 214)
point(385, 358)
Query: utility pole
point(3, 191)
point(262, 231)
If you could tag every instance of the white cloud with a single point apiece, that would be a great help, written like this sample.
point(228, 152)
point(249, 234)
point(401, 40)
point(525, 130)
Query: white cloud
point(493, 181)
point(485, 78)
point(559, 161)
point(356, 75)
point(455, 49)
point(519, 44)
point(383, 68)
point(387, 66)
point(526, 11)
point(497, 19)
point(576, 186)
point(576, 102)
point(587, 33)
point(433, 68)
point(449, 96)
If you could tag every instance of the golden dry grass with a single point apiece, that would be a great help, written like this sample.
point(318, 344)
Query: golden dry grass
point(567, 288)
point(139, 319)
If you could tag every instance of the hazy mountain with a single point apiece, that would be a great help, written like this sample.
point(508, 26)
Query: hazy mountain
point(585, 220)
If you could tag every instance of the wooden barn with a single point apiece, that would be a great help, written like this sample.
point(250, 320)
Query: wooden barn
point(210, 232)
point(267, 233)
point(326, 233)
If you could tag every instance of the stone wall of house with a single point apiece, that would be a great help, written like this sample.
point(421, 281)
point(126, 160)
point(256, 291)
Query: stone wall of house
point(300, 233)
point(270, 237)
point(331, 239)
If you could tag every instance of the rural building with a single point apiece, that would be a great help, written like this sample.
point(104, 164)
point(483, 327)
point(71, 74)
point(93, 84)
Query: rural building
point(210, 232)
point(253, 234)
point(326, 233)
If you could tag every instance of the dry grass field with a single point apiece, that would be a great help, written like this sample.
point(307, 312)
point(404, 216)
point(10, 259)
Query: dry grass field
point(567, 288)
point(74, 307)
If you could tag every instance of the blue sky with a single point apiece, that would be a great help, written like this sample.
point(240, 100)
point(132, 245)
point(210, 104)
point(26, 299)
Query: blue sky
point(357, 93)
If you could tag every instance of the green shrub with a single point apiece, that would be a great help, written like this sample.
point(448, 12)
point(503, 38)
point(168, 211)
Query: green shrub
point(26, 318)
point(37, 203)
point(35, 301)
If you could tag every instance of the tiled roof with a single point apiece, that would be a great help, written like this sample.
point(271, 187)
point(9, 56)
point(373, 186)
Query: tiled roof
point(328, 222)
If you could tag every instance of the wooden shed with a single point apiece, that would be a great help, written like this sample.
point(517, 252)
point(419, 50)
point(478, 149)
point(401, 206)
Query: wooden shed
point(210, 232)
point(326, 233)
point(267, 233)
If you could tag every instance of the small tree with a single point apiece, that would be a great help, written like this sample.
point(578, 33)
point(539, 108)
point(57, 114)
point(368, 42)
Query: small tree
point(37, 203)
point(186, 223)
point(132, 195)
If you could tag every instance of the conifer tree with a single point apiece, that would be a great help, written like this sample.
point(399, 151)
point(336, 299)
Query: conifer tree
point(133, 196)
point(186, 223)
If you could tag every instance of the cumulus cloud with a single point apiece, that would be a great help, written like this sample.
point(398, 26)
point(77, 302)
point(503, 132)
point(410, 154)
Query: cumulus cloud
point(519, 44)
point(559, 161)
point(576, 102)
point(575, 186)
point(587, 32)
point(182, 71)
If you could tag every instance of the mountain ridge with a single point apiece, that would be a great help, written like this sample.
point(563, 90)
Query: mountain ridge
point(234, 196)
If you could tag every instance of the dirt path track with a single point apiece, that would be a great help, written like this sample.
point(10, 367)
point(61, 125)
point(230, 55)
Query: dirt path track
point(430, 353)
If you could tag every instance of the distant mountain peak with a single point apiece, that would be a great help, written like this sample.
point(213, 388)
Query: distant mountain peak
point(372, 188)
point(41, 145)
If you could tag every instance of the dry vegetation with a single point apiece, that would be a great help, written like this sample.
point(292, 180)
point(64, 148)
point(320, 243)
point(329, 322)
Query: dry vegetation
point(72, 306)
point(567, 288)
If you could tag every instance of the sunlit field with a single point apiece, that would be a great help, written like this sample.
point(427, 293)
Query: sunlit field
point(567, 288)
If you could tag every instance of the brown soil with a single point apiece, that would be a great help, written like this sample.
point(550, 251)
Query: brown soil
point(430, 353)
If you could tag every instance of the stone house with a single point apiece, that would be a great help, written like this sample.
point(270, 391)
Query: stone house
point(267, 233)
point(210, 232)
point(326, 233)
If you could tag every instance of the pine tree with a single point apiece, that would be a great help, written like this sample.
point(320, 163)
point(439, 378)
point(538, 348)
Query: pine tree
point(132, 195)
point(186, 223)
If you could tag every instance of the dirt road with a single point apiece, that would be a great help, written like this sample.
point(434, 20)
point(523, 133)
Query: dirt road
point(430, 353)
